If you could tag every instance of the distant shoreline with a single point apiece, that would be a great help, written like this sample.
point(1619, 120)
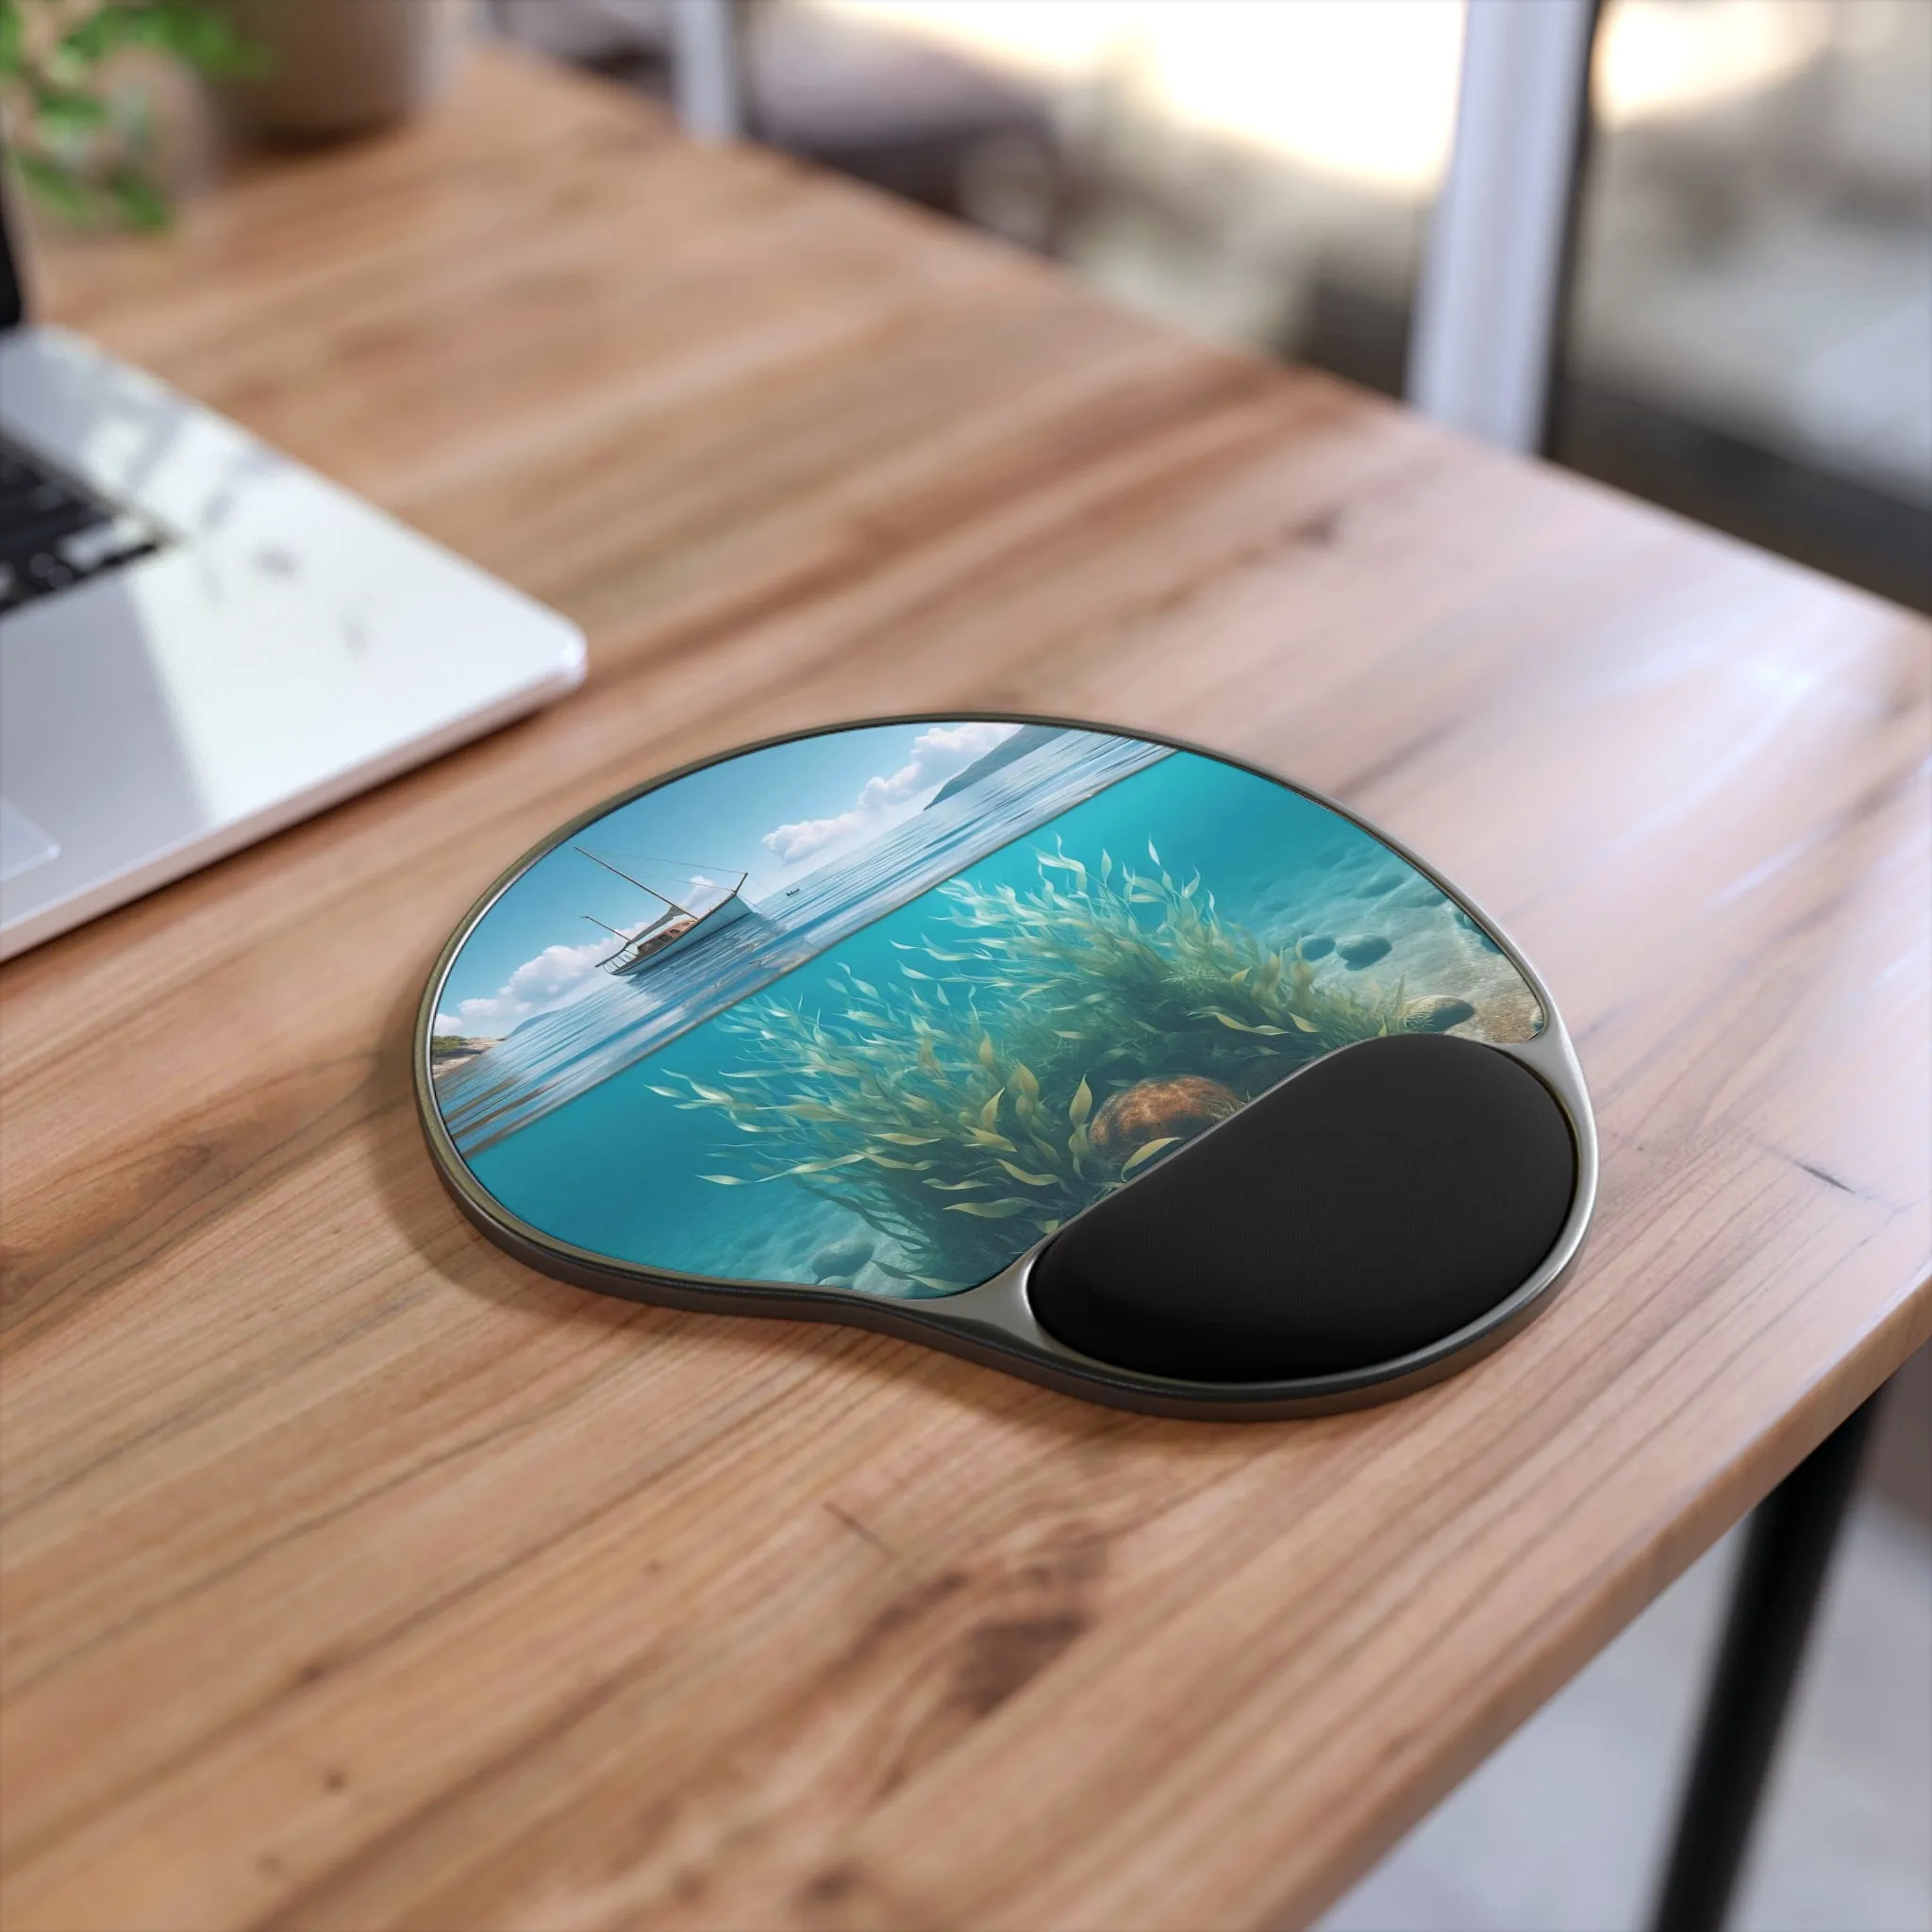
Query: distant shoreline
point(448, 1051)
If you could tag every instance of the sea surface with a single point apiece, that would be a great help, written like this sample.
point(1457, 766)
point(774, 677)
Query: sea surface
point(625, 1170)
point(556, 1057)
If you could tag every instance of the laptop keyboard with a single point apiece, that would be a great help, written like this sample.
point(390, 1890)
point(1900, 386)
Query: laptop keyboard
point(53, 533)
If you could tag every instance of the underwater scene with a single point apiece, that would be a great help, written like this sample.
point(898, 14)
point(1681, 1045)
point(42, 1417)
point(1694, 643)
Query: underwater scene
point(1021, 966)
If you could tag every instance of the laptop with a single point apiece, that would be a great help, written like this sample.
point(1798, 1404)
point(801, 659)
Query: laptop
point(202, 642)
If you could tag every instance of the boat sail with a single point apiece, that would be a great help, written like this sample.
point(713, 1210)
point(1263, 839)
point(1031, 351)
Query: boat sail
point(674, 929)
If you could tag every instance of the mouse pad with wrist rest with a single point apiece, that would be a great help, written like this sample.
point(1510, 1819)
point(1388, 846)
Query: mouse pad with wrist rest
point(1106, 1059)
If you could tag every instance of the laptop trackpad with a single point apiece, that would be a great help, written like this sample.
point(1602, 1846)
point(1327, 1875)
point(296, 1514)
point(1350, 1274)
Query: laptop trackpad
point(22, 843)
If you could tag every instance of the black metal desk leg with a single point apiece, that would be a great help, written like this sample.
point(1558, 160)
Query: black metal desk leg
point(1787, 1553)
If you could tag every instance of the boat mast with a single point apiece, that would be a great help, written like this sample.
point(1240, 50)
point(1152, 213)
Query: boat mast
point(638, 883)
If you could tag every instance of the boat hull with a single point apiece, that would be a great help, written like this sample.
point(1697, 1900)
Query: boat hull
point(729, 912)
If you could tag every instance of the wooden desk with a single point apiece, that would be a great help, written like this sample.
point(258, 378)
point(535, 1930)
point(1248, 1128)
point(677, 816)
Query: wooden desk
point(356, 1576)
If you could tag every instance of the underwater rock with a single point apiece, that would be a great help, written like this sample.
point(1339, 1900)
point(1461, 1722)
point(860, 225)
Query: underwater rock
point(840, 1258)
point(1363, 949)
point(1318, 947)
point(1436, 1013)
point(1158, 1110)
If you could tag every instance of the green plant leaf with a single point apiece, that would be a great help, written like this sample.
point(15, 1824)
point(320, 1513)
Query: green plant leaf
point(56, 190)
point(196, 34)
point(63, 113)
point(990, 1210)
point(1146, 1151)
point(103, 31)
point(1032, 1180)
point(819, 1166)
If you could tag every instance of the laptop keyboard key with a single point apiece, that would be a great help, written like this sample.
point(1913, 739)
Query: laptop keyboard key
point(53, 533)
point(38, 534)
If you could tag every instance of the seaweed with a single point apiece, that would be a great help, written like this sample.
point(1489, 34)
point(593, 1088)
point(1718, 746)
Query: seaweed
point(961, 1138)
point(1134, 964)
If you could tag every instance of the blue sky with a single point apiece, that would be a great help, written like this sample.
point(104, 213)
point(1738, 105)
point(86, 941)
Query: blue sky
point(775, 813)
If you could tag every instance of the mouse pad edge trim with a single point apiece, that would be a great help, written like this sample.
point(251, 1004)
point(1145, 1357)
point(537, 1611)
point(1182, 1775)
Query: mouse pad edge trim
point(955, 1323)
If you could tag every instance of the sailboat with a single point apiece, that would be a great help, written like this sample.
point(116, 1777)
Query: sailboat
point(674, 929)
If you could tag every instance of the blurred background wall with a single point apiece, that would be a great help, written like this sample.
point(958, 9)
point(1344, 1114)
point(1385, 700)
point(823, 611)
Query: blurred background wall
point(1750, 337)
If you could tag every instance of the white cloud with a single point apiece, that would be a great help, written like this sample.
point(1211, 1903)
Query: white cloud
point(554, 977)
point(937, 755)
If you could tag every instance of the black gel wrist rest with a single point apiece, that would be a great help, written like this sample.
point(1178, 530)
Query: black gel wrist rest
point(1388, 1197)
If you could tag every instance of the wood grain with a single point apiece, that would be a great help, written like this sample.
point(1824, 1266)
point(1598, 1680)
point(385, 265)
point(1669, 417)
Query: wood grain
point(355, 1576)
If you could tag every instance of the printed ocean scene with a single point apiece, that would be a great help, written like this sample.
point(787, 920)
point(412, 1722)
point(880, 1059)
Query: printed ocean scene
point(713, 942)
point(1018, 1021)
